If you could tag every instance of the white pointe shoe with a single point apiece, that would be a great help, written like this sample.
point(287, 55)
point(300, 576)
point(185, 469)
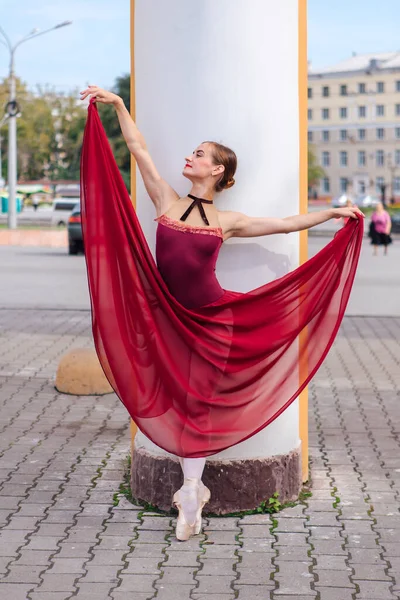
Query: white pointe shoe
point(201, 493)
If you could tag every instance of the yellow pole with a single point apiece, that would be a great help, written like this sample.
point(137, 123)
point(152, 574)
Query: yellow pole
point(133, 162)
point(303, 78)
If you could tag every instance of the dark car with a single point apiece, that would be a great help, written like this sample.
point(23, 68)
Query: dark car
point(396, 222)
point(74, 228)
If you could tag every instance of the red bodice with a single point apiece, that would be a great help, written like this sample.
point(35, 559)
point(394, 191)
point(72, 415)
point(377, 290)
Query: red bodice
point(186, 257)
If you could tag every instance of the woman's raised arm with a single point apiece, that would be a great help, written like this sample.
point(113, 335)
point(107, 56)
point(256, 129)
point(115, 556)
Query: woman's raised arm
point(160, 192)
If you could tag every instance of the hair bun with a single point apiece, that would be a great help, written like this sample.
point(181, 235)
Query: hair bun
point(230, 183)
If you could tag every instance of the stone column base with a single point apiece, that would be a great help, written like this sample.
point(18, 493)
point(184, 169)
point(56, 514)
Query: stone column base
point(235, 485)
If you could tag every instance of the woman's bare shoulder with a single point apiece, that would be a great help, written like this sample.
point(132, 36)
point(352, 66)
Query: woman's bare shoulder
point(229, 220)
point(168, 198)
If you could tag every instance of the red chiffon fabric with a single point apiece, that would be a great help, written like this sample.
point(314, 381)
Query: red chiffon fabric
point(197, 381)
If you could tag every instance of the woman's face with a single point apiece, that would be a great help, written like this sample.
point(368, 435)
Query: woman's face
point(200, 165)
point(379, 207)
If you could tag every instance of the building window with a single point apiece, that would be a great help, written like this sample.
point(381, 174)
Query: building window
point(325, 91)
point(397, 132)
point(378, 184)
point(310, 136)
point(343, 90)
point(362, 158)
point(361, 188)
point(397, 110)
point(397, 158)
point(361, 134)
point(326, 185)
point(362, 112)
point(380, 158)
point(309, 92)
point(396, 184)
point(380, 133)
point(361, 88)
point(325, 113)
point(380, 87)
point(343, 184)
point(343, 112)
point(309, 112)
point(343, 158)
point(326, 159)
point(343, 135)
point(380, 110)
point(397, 86)
point(325, 136)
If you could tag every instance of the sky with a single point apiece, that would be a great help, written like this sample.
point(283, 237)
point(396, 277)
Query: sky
point(95, 48)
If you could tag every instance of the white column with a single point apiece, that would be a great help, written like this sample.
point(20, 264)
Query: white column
point(227, 71)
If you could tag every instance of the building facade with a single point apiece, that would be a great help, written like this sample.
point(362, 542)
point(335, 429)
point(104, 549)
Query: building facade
point(354, 125)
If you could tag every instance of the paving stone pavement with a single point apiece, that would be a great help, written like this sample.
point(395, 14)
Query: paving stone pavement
point(62, 459)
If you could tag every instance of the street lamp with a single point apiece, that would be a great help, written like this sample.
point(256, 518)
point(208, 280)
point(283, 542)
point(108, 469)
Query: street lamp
point(2, 181)
point(12, 110)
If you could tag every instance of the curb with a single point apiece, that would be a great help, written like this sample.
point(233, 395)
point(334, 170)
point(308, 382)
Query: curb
point(38, 237)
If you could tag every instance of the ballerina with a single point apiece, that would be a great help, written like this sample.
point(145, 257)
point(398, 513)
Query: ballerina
point(210, 362)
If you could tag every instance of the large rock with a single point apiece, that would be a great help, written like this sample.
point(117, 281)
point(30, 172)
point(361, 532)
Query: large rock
point(79, 373)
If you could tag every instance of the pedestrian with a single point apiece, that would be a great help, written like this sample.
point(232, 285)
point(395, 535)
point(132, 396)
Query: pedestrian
point(199, 368)
point(35, 203)
point(380, 228)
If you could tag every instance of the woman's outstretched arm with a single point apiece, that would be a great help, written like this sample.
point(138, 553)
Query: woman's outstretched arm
point(160, 192)
point(238, 225)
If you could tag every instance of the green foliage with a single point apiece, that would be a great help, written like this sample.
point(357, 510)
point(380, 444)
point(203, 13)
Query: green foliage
point(35, 132)
point(50, 132)
point(111, 125)
point(315, 171)
point(272, 505)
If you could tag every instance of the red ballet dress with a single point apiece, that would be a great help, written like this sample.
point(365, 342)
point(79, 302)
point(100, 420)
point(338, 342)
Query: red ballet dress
point(199, 368)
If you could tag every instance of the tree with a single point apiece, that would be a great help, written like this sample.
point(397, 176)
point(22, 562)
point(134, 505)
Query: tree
point(35, 132)
point(113, 130)
point(315, 171)
point(69, 122)
point(50, 132)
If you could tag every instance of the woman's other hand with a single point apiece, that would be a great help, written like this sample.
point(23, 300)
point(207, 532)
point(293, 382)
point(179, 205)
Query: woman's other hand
point(348, 211)
point(100, 95)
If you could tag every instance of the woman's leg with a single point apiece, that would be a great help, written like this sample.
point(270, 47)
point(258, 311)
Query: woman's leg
point(192, 468)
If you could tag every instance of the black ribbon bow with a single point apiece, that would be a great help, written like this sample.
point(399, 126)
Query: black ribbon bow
point(196, 202)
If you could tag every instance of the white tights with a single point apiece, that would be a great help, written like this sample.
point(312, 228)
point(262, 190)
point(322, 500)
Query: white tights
point(192, 467)
point(192, 472)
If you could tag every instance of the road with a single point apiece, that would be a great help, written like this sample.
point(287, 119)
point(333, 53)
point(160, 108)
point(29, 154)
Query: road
point(49, 278)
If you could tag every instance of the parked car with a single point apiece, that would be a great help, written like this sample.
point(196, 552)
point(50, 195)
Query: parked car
point(361, 201)
point(62, 208)
point(396, 222)
point(74, 228)
point(367, 201)
point(341, 200)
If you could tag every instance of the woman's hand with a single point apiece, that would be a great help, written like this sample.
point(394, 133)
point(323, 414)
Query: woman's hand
point(100, 95)
point(348, 211)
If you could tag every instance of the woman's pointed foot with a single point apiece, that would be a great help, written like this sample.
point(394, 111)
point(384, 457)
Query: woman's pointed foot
point(190, 500)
